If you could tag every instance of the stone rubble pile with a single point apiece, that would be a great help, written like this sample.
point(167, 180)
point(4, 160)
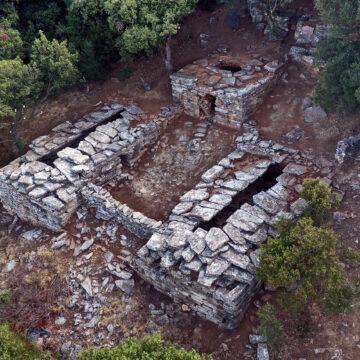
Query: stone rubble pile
point(348, 148)
point(208, 89)
point(213, 271)
point(42, 187)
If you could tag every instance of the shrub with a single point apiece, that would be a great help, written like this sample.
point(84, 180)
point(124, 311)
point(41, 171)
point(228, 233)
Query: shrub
point(270, 327)
point(151, 348)
point(292, 301)
point(303, 258)
point(4, 297)
point(14, 347)
point(321, 199)
point(340, 299)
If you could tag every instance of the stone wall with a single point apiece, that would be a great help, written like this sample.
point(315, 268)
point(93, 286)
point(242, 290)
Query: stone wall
point(207, 89)
point(107, 208)
point(213, 270)
point(42, 187)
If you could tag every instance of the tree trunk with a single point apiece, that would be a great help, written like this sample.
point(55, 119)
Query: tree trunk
point(167, 57)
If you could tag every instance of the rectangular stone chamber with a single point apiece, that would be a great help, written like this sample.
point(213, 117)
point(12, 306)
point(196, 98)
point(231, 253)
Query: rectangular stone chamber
point(44, 186)
point(205, 255)
point(223, 89)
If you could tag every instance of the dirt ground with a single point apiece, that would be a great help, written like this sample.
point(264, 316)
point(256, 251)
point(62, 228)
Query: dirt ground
point(280, 118)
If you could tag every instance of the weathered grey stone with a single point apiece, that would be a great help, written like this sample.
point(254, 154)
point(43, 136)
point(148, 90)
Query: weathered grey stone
point(236, 274)
point(299, 206)
point(178, 239)
point(182, 208)
point(237, 185)
point(258, 237)
point(127, 286)
point(314, 114)
point(100, 137)
point(217, 267)
point(53, 203)
point(86, 148)
point(278, 191)
point(255, 339)
point(168, 260)
point(216, 238)
point(295, 169)
point(188, 254)
point(205, 280)
point(83, 247)
point(38, 192)
point(197, 242)
point(268, 203)
point(194, 265)
point(195, 195)
point(73, 155)
point(262, 352)
point(157, 242)
point(221, 199)
point(212, 174)
point(26, 180)
point(245, 221)
point(255, 257)
point(234, 258)
point(234, 234)
point(86, 284)
point(246, 176)
point(202, 213)
point(66, 169)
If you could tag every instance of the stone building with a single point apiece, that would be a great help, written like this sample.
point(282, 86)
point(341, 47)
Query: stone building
point(226, 90)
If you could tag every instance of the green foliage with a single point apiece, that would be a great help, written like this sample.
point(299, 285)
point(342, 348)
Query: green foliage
point(4, 297)
point(292, 301)
point(14, 347)
point(151, 348)
point(11, 44)
point(320, 197)
point(270, 327)
point(339, 88)
point(352, 256)
point(125, 73)
point(340, 299)
point(54, 62)
point(303, 257)
point(143, 24)
point(16, 86)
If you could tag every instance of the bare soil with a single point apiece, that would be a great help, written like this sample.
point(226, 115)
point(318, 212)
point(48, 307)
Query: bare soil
point(155, 194)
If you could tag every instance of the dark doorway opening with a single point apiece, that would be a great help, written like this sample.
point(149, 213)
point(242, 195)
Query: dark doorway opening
point(265, 182)
point(207, 106)
point(229, 66)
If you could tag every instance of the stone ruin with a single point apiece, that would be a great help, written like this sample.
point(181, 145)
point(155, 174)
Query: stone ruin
point(205, 253)
point(225, 90)
point(43, 186)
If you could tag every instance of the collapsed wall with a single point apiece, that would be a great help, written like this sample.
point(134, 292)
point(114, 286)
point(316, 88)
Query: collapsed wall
point(205, 255)
point(224, 89)
point(42, 187)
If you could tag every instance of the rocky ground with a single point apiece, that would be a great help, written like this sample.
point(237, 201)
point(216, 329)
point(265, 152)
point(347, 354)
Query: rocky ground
point(75, 288)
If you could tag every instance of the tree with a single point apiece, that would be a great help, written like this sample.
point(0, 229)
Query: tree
point(304, 257)
point(143, 25)
point(321, 199)
point(25, 87)
point(151, 348)
point(339, 87)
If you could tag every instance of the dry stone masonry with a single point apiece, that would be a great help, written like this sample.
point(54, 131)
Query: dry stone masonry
point(223, 89)
point(208, 262)
point(43, 186)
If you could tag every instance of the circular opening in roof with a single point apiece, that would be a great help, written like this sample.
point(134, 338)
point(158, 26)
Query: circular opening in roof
point(233, 67)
